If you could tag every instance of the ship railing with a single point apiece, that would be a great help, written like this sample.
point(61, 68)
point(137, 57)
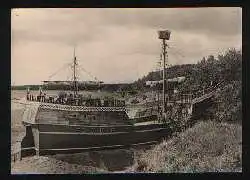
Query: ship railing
point(204, 91)
point(88, 102)
point(180, 98)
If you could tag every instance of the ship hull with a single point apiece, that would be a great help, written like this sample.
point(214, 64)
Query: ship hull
point(42, 139)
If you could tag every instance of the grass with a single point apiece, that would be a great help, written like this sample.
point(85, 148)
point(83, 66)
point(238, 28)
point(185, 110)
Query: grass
point(206, 147)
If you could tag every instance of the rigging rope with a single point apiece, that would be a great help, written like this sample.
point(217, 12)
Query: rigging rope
point(64, 66)
point(88, 73)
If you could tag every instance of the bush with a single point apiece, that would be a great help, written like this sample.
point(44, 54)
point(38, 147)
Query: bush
point(227, 104)
point(226, 67)
point(206, 147)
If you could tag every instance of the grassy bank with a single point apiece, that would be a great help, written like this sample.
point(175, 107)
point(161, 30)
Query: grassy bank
point(206, 147)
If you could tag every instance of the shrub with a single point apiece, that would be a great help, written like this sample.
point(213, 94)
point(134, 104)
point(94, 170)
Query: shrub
point(206, 147)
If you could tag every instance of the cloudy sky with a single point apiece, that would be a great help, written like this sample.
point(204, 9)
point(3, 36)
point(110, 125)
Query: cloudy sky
point(115, 45)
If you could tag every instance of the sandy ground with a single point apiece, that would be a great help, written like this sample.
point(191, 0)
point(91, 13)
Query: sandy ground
point(17, 129)
point(49, 165)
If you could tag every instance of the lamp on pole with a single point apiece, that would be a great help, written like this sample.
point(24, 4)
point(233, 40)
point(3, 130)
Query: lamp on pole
point(164, 35)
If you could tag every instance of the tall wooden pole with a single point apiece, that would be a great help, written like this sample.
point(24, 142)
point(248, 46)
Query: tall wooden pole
point(164, 80)
point(74, 75)
point(164, 35)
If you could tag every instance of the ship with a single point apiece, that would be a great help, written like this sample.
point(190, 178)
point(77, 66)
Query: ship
point(74, 123)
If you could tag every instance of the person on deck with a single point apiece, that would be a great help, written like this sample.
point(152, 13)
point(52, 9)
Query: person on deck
point(44, 97)
point(40, 94)
point(61, 96)
point(70, 99)
point(28, 93)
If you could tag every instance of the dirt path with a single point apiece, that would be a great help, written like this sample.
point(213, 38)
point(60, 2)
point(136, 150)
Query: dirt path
point(48, 165)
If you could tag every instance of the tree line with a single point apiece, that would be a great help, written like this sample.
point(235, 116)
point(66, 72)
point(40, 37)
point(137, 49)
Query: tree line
point(226, 67)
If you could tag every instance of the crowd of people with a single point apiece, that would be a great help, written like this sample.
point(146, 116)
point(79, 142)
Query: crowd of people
point(77, 100)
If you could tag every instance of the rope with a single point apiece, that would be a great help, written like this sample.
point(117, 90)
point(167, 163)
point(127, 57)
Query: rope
point(64, 66)
point(88, 73)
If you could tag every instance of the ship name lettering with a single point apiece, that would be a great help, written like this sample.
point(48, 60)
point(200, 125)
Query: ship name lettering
point(101, 130)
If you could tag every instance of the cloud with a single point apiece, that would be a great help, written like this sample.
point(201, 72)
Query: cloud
point(116, 44)
point(88, 23)
point(219, 21)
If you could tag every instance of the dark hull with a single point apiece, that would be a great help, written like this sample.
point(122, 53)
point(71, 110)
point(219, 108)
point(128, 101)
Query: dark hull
point(44, 139)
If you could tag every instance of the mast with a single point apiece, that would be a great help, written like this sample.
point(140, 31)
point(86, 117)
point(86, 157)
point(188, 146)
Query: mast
point(74, 75)
point(163, 74)
point(164, 35)
point(158, 89)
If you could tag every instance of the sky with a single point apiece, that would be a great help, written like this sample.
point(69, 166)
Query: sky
point(115, 45)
